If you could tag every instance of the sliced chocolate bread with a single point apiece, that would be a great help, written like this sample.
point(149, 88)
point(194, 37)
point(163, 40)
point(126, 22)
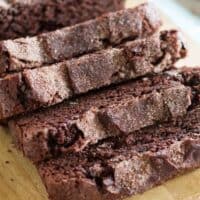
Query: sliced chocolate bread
point(49, 48)
point(20, 18)
point(118, 168)
point(116, 111)
point(49, 85)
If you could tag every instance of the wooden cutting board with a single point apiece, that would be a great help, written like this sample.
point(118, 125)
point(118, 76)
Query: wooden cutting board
point(19, 179)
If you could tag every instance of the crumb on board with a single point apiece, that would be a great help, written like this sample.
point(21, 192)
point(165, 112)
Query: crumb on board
point(9, 151)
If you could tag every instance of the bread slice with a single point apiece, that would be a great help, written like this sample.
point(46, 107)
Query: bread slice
point(118, 168)
point(97, 34)
point(49, 85)
point(116, 111)
point(20, 18)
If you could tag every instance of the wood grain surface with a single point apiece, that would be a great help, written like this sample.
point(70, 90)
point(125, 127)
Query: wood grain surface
point(19, 179)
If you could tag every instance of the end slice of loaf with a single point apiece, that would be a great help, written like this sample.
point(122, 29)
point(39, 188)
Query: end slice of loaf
point(21, 18)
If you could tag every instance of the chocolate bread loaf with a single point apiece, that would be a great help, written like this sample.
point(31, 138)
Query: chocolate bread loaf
point(121, 167)
point(49, 85)
point(49, 48)
point(20, 18)
point(116, 111)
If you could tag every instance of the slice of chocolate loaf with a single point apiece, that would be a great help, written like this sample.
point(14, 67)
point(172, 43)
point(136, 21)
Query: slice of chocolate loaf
point(108, 30)
point(20, 18)
point(121, 167)
point(49, 85)
point(115, 111)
